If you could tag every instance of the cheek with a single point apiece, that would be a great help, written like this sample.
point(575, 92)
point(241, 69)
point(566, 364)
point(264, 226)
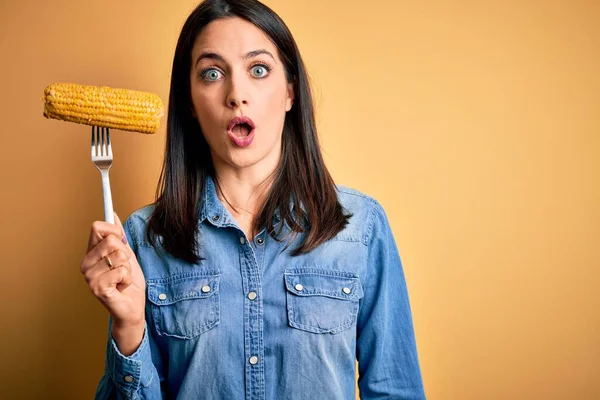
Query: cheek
point(199, 102)
point(205, 109)
point(273, 109)
point(277, 98)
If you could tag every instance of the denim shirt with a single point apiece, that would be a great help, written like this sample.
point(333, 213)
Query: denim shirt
point(250, 321)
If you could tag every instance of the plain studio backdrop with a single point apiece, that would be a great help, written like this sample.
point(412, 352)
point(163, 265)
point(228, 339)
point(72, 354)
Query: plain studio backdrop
point(475, 123)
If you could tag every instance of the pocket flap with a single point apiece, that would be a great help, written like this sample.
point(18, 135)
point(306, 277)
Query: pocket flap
point(322, 284)
point(177, 288)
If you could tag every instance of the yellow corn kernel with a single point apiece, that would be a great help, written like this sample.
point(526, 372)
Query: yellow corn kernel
point(124, 109)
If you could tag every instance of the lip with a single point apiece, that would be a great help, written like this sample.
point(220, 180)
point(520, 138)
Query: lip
point(241, 141)
point(240, 120)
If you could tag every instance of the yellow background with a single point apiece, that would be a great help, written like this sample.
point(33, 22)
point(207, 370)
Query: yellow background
point(475, 123)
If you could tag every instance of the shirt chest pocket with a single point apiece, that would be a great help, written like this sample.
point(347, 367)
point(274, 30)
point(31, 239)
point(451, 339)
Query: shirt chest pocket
point(184, 306)
point(323, 302)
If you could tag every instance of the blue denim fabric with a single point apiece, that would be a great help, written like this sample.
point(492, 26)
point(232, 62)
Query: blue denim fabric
point(313, 316)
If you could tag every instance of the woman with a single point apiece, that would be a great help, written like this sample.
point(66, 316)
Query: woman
point(252, 276)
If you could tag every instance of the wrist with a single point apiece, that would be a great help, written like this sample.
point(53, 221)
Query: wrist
point(128, 337)
point(124, 326)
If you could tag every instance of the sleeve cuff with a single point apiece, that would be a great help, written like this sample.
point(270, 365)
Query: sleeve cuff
point(129, 372)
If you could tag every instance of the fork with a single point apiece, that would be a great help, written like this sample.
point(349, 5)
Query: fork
point(102, 158)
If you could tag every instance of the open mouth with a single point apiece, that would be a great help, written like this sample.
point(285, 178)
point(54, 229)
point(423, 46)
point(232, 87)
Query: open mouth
point(240, 126)
point(241, 130)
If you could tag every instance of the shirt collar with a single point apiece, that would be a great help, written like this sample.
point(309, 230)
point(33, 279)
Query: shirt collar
point(212, 208)
point(216, 213)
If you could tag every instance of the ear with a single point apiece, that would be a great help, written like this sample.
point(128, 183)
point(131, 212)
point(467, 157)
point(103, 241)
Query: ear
point(193, 110)
point(290, 96)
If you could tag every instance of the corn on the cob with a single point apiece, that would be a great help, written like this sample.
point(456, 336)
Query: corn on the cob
point(123, 109)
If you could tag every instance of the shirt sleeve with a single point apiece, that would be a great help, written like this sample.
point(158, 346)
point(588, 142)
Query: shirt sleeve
point(130, 377)
point(386, 348)
point(138, 376)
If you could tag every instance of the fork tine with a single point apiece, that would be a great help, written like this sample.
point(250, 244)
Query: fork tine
point(104, 142)
point(108, 142)
point(103, 135)
point(93, 141)
point(98, 144)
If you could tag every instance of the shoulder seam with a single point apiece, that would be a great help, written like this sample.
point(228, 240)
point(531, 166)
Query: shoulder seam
point(139, 214)
point(371, 221)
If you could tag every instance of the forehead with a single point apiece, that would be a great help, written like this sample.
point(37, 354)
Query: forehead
point(231, 38)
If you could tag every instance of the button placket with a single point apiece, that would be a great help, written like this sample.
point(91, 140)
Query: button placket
point(253, 325)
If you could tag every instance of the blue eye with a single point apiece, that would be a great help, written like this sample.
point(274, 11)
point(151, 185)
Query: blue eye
point(211, 75)
point(260, 71)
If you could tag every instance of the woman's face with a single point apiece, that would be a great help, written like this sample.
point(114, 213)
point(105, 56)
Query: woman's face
point(236, 72)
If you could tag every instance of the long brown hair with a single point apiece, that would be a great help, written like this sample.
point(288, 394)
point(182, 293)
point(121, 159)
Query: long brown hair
point(302, 192)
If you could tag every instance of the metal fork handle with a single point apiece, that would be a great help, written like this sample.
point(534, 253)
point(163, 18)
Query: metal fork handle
point(109, 215)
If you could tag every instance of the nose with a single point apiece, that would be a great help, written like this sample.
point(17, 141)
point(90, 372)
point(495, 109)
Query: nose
point(237, 94)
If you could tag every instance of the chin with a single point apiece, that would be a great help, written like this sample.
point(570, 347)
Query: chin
point(244, 160)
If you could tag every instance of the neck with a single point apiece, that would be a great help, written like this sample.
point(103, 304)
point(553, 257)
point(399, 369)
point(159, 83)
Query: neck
point(243, 191)
point(243, 195)
point(244, 188)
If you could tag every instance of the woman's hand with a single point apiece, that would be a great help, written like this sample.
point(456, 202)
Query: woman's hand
point(114, 276)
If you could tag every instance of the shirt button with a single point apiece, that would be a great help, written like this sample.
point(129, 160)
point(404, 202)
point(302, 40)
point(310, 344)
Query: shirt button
point(205, 289)
point(162, 296)
point(252, 295)
point(242, 240)
point(216, 217)
point(346, 290)
point(128, 379)
point(299, 287)
point(253, 360)
point(260, 240)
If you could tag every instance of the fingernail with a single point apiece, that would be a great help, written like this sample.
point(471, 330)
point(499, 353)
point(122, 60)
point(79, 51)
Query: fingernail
point(124, 239)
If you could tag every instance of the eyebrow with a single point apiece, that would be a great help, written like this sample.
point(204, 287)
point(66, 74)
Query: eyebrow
point(218, 57)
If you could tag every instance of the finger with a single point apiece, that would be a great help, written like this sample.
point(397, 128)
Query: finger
point(126, 281)
point(105, 285)
point(100, 230)
point(106, 247)
point(119, 258)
